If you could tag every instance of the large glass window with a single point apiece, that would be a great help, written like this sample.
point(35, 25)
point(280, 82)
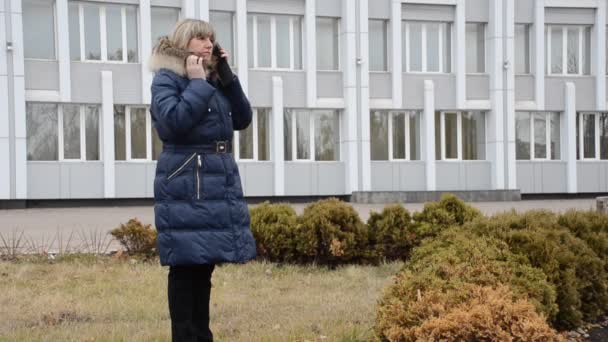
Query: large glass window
point(522, 48)
point(426, 46)
point(568, 49)
point(62, 132)
point(71, 131)
point(163, 19)
point(475, 47)
point(537, 135)
point(253, 142)
point(275, 41)
point(378, 45)
point(312, 135)
point(223, 24)
point(135, 138)
point(460, 135)
point(39, 35)
point(42, 131)
point(592, 136)
point(395, 135)
point(328, 43)
point(88, 42)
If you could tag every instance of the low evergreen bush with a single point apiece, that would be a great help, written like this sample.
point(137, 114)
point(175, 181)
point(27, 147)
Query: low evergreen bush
point(137, 239)
point(571, 265)
point(392, 233)
point(274, 229)
point(455, 263)
point(329, 232)
point(437, 216)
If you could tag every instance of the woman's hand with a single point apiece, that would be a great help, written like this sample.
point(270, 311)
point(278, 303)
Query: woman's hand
point(224, 54)
point(195, 68)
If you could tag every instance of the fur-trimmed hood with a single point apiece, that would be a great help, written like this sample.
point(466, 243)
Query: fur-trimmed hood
point(166, 55)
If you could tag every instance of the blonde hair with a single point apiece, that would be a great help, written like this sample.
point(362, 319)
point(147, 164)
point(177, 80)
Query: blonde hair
point(187, 29)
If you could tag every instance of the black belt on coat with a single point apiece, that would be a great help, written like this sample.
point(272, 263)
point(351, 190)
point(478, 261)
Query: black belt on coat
point(224, 146)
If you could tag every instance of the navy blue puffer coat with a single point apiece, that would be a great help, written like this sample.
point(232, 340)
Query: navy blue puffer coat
point(200, 213)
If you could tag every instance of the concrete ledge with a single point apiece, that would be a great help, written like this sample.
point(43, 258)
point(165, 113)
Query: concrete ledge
point(426, 196)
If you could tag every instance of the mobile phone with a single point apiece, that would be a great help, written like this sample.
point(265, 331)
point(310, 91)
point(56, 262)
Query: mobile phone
point(216, 50)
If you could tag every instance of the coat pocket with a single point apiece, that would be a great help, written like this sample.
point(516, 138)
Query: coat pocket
point(180, 182)
point(180, 168)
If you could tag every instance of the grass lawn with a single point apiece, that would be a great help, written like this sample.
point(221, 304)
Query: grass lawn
point(105, 299)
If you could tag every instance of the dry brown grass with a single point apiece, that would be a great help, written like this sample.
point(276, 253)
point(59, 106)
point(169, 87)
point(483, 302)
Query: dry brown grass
point(103, 299)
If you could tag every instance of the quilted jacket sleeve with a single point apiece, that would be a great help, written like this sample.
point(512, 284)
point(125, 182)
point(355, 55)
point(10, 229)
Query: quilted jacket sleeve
point(241, 109)
point(177, 113)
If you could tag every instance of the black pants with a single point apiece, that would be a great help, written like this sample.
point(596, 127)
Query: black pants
point(189, 291)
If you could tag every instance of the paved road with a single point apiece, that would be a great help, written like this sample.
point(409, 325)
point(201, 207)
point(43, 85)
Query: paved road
point(88, 223)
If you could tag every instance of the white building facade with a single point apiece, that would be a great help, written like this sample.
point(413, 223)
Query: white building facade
point(349, 96)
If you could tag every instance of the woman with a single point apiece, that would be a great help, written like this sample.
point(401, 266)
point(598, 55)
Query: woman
point(201, 216)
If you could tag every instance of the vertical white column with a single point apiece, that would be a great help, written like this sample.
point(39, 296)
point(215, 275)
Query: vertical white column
point(310, 47)
point(539, 58)
point(20, 142)
point(241, 44)
point(189, 9)
point(204, 10)
point(5, 167)
point(365, 153)
point(428, 135)
point(146, 49)
point(107, 110)
point(570, 136)
point(495, 134)
point(63, 51)
point(397, 75)
point(459, 53)
point(349, 67)
point(277, 148)
point(600, 55)
point(509, 91)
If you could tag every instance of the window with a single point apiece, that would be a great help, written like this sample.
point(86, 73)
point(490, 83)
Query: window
point(42, 131)
point(163, 19)
point(328, 43)
point(134, 137)
point(312, 135)
point(103, 32)
point(568, 49)
point(253, 142)
point(378, 45)
point(475, 47)
point(592, 136)
point(223, 24)
point(62, 132)
point(275, 41)
point(522, 48)
point(39, 37)
point(460, 135)
point(395, 135)
point(537, 135)
point(427, 47)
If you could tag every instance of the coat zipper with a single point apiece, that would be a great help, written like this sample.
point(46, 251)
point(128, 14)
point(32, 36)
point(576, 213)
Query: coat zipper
point(198, 180)
point(176, 172)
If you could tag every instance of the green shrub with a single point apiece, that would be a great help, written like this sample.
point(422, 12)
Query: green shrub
point(437, 216)
point(591, 227)
point(577, 272)
point(274, 229)
point(330, 231)
point(392, 233)
point(136, 238)
point(455, 263)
